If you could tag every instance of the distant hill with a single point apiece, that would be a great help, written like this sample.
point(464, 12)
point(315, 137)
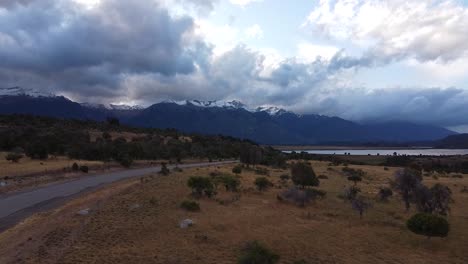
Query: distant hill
point(453, 142)
point(265, 125)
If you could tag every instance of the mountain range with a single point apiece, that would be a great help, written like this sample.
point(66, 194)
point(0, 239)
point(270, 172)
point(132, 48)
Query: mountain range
point(265, 125)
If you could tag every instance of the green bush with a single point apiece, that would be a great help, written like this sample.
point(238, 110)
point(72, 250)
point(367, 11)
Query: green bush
point(262, 183)
point(231, 183)
point(190, 206)
point(303, 174)
point(237, 169)
point(84, 169)
point(428, 225)
point(200, 186)
point(255, 253)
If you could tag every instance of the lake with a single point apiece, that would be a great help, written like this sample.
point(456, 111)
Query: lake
point(411, 152)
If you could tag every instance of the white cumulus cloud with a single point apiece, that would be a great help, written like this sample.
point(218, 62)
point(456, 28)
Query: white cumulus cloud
point(425, 30)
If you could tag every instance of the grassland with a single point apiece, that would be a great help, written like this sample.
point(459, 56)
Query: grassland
point(136, 221)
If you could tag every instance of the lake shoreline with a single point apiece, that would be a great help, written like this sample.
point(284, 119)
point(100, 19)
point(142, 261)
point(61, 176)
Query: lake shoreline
point(315, 147)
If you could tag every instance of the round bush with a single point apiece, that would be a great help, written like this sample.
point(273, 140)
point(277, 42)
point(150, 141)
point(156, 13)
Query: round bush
point(256, 253)
point(190, 206)
point(428, 225)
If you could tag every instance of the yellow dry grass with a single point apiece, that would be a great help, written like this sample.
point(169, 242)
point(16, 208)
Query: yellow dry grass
point(328, 231)
point(27, 166)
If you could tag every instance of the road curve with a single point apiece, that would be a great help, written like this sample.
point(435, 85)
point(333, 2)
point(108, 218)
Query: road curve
point(14, 203)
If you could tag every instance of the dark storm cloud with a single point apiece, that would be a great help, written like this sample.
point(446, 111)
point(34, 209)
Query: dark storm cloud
point(12, 3)
point(137, 51)
point(76, 48)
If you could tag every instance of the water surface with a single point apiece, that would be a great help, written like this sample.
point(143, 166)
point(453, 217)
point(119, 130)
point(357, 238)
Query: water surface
point(411, 152)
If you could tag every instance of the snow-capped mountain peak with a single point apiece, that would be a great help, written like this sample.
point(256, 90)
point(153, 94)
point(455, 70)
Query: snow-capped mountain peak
point(18, 91)
point(112, 106)
point(234, 104)
point(271, 110)
point(223, 104)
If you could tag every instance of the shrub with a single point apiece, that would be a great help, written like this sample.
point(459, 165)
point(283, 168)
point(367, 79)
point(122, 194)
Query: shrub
point(14, 157)
point(255, 253)
point(428, 225)
point(231, 183)
point(125, 160)
point(164, 169)
point(351, 193)
point(284, 177)
point(323, 177)
point(200, 186)
point(75, 167)
point(384, 193)
point(301, 197)
point(385, 168)
point(190, 206)
point(355, 178)
point(315, 194)
point(303, 174)
point(433, 200)
point(262, 183)
point(237, 169)
point(84, 169)
point(406, 182)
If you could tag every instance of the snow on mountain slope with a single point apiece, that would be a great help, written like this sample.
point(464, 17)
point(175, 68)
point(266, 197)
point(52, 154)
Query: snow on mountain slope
point(271, 110)
point(17, 91)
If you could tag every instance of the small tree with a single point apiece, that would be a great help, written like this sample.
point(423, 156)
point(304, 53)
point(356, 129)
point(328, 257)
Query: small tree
point(75, 167)
point(303, 174)
point(360, 205)
point(428, 225)
point(14, 157)
point(355, 178)
point(255, 253)
point(200, 186)
point(351, 193)
point(164, 169)
point(237, 170)
point(262, 183)
point(436, 199)
point(406, 182)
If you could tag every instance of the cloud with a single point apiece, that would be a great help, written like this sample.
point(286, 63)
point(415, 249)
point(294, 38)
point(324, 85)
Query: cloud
point(69, 48)
point(12, 3)
point(426, 30)
point(254, 31)
point(243, 3)
point(310, 52)
point(122, 51)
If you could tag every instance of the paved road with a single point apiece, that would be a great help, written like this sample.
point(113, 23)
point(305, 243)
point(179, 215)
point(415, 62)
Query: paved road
point(11, 204)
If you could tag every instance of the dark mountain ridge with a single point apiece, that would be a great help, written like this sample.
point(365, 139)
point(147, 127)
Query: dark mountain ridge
point(263, 125)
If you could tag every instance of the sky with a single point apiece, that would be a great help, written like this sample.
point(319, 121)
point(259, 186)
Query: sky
point(366, 61)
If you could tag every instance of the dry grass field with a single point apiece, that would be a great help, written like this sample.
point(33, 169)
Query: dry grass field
point(136, 221)
point(27, 166)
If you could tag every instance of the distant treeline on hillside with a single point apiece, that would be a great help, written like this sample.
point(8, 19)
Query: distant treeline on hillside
point(39, 137)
